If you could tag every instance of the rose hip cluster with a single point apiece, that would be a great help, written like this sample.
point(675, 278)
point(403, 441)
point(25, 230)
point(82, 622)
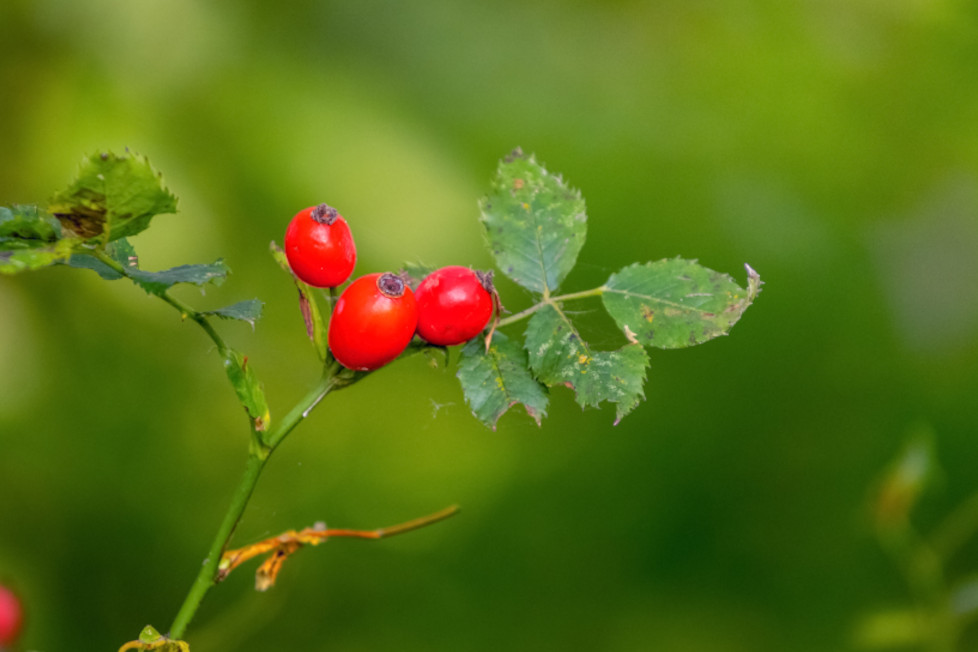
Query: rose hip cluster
point(378, 314)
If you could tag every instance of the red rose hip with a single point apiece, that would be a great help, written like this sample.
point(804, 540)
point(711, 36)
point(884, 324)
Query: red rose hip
point(454, 305)
point(11, 617)
point(319, 246)
point(373, 322)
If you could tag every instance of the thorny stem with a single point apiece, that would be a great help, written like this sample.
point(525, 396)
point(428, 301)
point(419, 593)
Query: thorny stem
point(548, 300)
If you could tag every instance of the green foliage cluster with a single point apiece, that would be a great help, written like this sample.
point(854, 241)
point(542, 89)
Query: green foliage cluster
point(535, 225)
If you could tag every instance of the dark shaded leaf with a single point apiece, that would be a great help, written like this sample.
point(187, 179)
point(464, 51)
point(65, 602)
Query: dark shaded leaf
point(114, 196)
point(558, 356)
point(160, 282)
point(535, 223)
point(247, 311)
point(496, 380)
point(675, 303)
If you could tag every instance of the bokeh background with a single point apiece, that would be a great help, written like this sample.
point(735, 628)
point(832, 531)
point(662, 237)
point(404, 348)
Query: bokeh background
point(833, 145)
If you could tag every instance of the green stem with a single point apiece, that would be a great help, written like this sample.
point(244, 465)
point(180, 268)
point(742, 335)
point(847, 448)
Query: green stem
point(523, 314)
point(184, 309)
point(207, 577)
point(262, 446)
point(334, 377)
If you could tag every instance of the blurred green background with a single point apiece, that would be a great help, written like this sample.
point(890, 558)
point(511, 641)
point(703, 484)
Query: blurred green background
point(831, 144)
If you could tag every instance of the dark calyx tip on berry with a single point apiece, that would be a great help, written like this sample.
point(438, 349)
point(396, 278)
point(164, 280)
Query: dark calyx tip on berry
point(485, 278)
point(325, 214)
point(391, 285)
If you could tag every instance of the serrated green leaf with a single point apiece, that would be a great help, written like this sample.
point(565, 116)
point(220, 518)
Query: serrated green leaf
point(160, 282)
point(247, 311)
point(675, 303)
point(559, 356)
point(114, 196)
point(496, 380)
point(246, 386)
point(311, 315)
point(535, 223)
point(121, 251)
point(26, 227)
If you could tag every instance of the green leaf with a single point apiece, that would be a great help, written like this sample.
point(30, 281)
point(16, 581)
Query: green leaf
point(25, 227)
point(496, 380)
point(559, 356)
point(311, 315)
point(114, 196)
point(121, 251)
point(30, 239)
point(149, 635)
point(160, 282)
point(535, 223)
point(22, 260)
point(249, 390)
point(248, 311)
point(675, 303)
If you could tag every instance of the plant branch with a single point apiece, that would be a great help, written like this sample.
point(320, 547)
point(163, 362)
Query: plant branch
point(185, 310)
point(258, 455)
point(280, 547)
point(523, 314)
point(206, 577)
point(262, 446)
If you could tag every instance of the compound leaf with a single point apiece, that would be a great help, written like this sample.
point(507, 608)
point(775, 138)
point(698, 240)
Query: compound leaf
point(249, 390)
point(247, 311)
point(676, 303)
point(535, 223)
point(495, 380)
point(559, 356)
point(114, 196)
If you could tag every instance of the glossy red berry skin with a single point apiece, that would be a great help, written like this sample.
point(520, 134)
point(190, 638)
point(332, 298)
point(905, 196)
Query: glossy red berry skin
point(373, 322)
point(11, 617)
point(454, 305)
point(320, 248)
